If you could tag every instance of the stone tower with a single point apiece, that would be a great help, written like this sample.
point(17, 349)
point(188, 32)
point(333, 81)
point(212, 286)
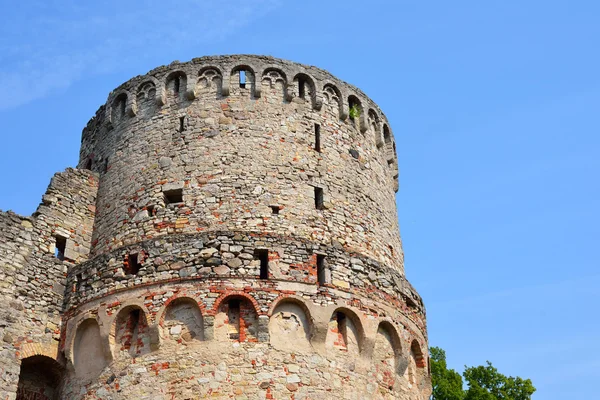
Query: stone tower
point(230, 232)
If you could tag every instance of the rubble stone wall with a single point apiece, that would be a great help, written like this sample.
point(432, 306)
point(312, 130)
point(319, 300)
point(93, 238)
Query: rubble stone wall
point(230, 232)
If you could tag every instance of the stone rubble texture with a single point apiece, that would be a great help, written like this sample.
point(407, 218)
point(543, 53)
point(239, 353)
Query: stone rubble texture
point(186, 176)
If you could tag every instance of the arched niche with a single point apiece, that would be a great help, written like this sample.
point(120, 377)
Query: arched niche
point(243, 81)
point(129, 333)
point(306, 89)
point(333, 100)
point(182, 322)
point(176, 86)
point(416, 365)
point(88, 352)
point(345, 332)
point(210, 82)
point(387, 353)
point(146, 98)
point(119, 108)
point(355, 112)
point(39, 379)
point(290, 326)
point(236, 320)
point(274, 82)
point(375, 127)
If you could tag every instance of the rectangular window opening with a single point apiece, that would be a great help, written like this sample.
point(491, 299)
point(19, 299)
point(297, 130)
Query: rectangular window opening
point(177, 85)
point(319, 204)
point(78, 282)
point(181, 124)
point(263, 256)
point(321, 276)
point(242, 79)
point(133, 266)
point(60, 247)
point(233, 317)
point(301, 88)
point(275, 209)
point(174, 196)
point(318, 137)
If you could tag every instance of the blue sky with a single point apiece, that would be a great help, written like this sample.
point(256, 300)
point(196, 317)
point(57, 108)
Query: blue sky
point(495, 107)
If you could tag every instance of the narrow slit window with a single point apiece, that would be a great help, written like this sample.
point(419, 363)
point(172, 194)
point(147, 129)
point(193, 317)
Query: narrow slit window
point(177, 84)
point(319, 204)
point(318, 137)
point(181, 124)
point(233, 319)
point(174, 196)
point(263, 256)
point(88, 164)
point(321, 275)
point(242, 79)
point(301, 88)
point(60, 247)
point(133, 265)
point(151, 211)
point(342, 327)
point(78, 282)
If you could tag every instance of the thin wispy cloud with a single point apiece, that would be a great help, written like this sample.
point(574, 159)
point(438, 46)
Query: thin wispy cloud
point(47, 46)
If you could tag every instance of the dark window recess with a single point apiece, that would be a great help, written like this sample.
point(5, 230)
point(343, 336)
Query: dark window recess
point(132, 265)
point(354, 153)
point(321, 269)
point(242, 79)
point(342, 326)
point(318, 137)
point(181, 124)
point(174, 196)
point(301, 88)
point(319, 205)
point(151, 211)
point(263, 256)
point(233, 317)
point(275, 209)
point(78, 282)
point(105, 166)
point(59, 247)
point(88, 164)
point(391, 249)
point(177, 84)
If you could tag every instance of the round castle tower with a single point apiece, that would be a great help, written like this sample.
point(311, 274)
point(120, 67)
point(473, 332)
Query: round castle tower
point(245, 242)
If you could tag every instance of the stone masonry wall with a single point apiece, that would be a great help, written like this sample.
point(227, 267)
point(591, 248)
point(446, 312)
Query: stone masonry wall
point(230, 232)
point(32, 279)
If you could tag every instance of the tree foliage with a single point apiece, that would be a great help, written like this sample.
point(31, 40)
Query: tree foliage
point(447, 383)
point(483, 382)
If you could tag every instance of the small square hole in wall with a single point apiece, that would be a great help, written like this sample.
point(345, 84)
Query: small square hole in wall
point(174, 196)
point(60, 247)
point(275, 210)
point(132, 264)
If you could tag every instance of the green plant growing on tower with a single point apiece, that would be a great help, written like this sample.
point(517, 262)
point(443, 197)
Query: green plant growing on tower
point(354, 111)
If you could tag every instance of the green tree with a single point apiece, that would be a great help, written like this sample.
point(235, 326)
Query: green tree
point(486, 383)
point(447, 383)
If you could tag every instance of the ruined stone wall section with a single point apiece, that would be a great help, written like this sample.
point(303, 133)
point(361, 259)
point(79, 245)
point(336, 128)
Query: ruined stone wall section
point(32, 278)
point(238, 152)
